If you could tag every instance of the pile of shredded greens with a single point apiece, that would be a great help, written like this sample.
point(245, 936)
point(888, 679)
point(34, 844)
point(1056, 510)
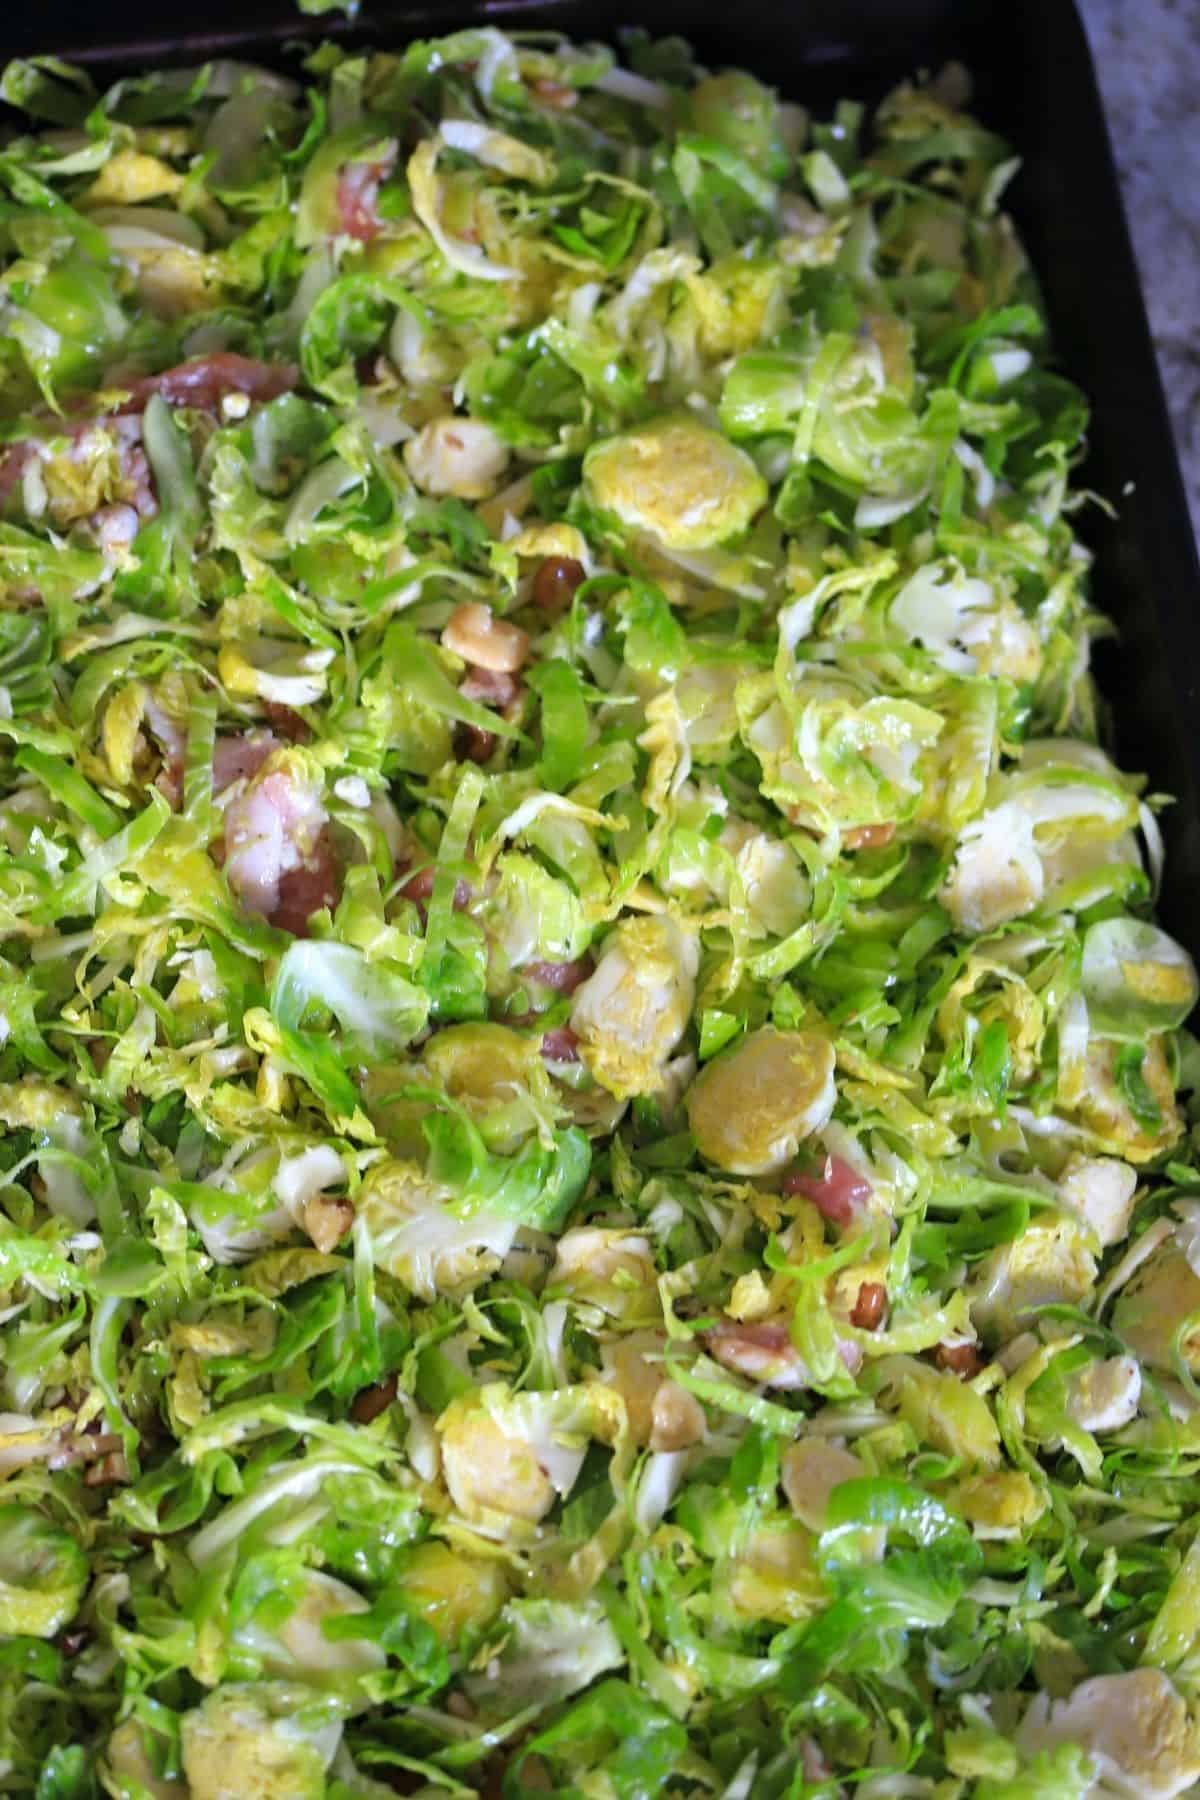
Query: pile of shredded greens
point(595, 1191)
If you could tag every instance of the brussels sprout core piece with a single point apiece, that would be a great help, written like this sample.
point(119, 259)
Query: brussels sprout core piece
point(750, 1108)
point(678, 481)
point(43, 1573)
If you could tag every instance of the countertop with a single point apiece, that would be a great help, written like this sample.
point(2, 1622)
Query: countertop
point(1148, 61)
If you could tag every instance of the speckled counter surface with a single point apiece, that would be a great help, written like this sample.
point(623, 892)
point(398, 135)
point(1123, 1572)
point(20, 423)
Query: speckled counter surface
point(1148, 60)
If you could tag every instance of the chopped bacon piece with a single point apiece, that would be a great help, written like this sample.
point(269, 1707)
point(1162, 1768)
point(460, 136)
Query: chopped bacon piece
point(958, 1359)
point(306, 890)
point(358, 197)
point(561, 1046)
point(204, 381)
point(555, 583)
point(870, 1306)
point(108, 1471)
point(563, 977)
point(489, 687)
point(286, 723)
point(838, 1192)
point(474, 744)
point(419, 887)
point(369, 1402)
point(238, 758)
point(764, 1352)
point(116, 524)
point(278, 853)
point(556, 94)
point(87, 1446)
point(135, 468)
point(869, 837)
point(169, 782)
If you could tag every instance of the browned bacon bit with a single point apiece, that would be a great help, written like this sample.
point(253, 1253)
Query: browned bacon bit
point(107, 1470)
point(306, 890)
point(327, 1219)
point(870, 1306)
point(286, 723)
point(555, 583)
point(561, 1046)
point(419, 887)
point(238, 758)
point(563, 977)
point(169, 781)
point(473, 744)
point(489, 687)
point(869, 837)
point(85, 1446)
point(369, 1402)
point(556, 94)
point(958, 1359)
point(204, 381)
point(72, 1642)
point(837, 1192)
point(115, 525)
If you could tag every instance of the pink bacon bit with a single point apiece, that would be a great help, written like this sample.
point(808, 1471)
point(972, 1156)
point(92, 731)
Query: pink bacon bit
point(286, 723)
point(241, 757)
point(486, 687)
point(764, 1352)
point(561, 1046)
point(135, 477)
point(204, 381)
point(109, 523)
point(134, 465)
point(358, 197)
point(304, 891)
point(839, 1192)
point(473, 744)
point(277, 851)
point(489, 687)
point(563, 977)
point(419, 887)
point(169, 781)
point(869, 837)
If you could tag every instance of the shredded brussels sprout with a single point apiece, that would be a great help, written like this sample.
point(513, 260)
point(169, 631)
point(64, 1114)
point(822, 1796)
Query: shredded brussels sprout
point(600, 1188)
